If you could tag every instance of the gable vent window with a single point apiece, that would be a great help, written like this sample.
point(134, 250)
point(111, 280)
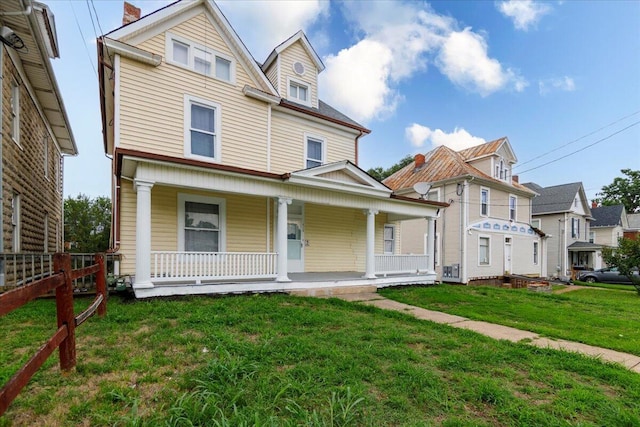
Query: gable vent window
point(298, 68)
point(198, 58)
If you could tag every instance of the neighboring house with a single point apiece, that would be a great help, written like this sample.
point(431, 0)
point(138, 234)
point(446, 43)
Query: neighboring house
point(634, 226)
point(232, 176)
point(608, 224)
point(562, 212)
point(36, 132)
point(485, 233)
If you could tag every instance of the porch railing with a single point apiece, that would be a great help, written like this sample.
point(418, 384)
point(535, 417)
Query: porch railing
point(199, 266)
point(397, 264)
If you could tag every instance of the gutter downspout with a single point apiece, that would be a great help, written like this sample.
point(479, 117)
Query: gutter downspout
point(356, 145)
point(25, 12)
point(464, 208)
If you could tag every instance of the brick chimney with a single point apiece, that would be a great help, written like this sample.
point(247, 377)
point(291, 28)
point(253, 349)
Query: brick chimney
point(131, 13)
point(419, 159)
point(516, 179)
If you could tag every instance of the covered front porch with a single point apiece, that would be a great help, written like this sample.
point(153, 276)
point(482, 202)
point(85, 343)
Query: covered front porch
point(231, 231)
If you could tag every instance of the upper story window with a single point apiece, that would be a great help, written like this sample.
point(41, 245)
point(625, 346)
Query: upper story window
point(299, 92)
point(201, 129)
point(484, 201)
point(513, 203)
point(592, 237)
point(575, 228)
point(188, 54)
point(15, 111)
point(535, 223)
point(314, 151)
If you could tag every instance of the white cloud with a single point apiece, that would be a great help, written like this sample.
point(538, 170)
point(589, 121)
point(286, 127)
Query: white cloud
point(524, 13)
point(457, 140)
point(408, 36)
point(465, 61)
point(565, 84)
point(263, 25)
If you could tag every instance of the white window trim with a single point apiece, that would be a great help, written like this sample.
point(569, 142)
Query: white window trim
point(488, 201)
point(169, 39)
point(437, 193)
point(488, 264)
point(188, 100)
point(394, 240)
point(46, 156)
point(46, 232)
point(16, 223)
point(536, 253)
point(515, 208)
point(323, 140)
point(222, 214)
point(299, 83)
point(14, 107)
point(539, 222)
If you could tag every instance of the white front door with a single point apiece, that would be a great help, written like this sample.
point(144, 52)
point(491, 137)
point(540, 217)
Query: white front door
point(507, 255)
point(295, 239)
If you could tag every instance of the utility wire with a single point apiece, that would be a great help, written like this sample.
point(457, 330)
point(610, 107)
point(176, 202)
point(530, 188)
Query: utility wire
point(95, 32)
point(97, 18)
point(84, 40)
point(582, 149)
point(576, 140)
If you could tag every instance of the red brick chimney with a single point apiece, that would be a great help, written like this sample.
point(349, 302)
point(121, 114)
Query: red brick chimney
point(516, 179)
point(419, 159)
point(131, 13)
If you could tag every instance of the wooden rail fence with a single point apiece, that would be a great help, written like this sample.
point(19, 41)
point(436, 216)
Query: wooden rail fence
point(64, 338)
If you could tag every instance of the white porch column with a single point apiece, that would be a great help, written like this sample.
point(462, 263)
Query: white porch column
point(370, 268)
point(431, 244)
point(281, 237)
point(143, 234)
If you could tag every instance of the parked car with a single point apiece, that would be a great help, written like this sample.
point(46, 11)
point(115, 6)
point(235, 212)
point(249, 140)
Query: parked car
point(605, 275)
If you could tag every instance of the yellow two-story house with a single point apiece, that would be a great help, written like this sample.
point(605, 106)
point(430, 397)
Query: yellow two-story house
point(233, 176)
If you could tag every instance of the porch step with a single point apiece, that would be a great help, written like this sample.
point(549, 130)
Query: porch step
point(333, 291)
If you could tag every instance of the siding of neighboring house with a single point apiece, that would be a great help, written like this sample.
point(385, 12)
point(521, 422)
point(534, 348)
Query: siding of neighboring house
point(24, 171)
point(243, 132)
point(608, 236)
point(292, 54)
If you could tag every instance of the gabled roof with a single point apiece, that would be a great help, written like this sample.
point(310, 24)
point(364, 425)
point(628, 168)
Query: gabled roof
point(299, 36)
point(583, 247)
point(342, 174)
point(441, 164)
point(607, 216)
point(488, 149)
point(554, 199)
point(37, 30)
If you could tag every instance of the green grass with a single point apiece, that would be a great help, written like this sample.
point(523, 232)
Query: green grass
point(604, 318)
point(629, 288)
point(286, 361)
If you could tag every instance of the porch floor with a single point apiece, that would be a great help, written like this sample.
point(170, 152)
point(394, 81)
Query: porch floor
point(311, 284)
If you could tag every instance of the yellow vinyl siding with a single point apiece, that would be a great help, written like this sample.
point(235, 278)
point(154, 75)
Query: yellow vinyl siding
point(339, 176)
point(246, 222)
point(152, 103)
point(296, 53)
point(288, 140)
point(272, 75)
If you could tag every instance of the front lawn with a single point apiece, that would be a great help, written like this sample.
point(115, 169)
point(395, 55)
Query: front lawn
point(286, 361)
point(600, 317)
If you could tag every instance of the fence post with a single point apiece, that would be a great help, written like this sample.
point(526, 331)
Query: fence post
point(64, 306)
point(101, 284)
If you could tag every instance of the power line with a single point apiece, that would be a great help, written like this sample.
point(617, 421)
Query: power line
point(577, 139)
point(84, 40)
point(95, 32)
point(582, 149)
point(97, 18)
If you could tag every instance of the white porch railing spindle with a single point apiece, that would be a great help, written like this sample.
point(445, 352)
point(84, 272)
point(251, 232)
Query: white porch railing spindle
point(396, 264)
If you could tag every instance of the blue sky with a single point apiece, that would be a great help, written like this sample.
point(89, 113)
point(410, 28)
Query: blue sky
point(554, 77)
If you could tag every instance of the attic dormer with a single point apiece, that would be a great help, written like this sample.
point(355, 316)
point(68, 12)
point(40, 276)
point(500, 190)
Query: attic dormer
point(293, 69)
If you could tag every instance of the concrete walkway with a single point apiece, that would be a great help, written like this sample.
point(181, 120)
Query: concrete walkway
point(498, 332)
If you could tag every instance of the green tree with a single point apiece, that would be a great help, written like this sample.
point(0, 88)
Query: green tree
point(622, 191)
point(87, 223)
point(380, 174)
point(626, 257)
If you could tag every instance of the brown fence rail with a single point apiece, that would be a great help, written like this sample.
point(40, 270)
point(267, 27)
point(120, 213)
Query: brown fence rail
point(61, 280)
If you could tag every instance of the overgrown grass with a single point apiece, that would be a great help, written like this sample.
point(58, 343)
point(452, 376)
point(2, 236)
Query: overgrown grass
point(604, 318)
point(286, 361)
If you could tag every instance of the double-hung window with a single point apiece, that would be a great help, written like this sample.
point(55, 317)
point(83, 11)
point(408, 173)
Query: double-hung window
point(199, 58)
point(575, 228)
point(483, 250)
point(201, 129)
point(299, 92)
point(314, 151)
point(201, 223)
point(484, 201)
point(513, 203)
point(389, 238)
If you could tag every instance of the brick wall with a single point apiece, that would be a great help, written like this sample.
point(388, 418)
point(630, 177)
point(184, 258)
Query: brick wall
point(23, 166)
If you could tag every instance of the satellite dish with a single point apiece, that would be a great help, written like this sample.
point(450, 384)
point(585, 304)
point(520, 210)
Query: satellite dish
point(422, 188)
